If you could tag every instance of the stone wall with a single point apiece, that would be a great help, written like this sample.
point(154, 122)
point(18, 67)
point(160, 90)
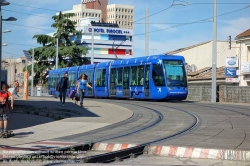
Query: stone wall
point(235, 94)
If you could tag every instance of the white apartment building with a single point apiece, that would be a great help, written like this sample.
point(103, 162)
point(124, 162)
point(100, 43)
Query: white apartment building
point(123, 15)
point(81, 11)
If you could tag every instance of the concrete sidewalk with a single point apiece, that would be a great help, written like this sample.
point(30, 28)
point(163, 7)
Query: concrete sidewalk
point(92, 116)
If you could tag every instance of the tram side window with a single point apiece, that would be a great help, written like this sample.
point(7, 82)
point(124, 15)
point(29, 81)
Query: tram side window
point(133, 73)
point(140, 75)
point(119, 77)
point(100, 77)
point(113, 76)
point(158, 75)
point(72, 79)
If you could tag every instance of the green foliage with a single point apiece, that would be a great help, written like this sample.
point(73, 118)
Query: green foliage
point(44, 56)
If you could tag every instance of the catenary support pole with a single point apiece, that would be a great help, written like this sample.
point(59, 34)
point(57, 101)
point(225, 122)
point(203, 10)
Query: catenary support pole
point(214, 56)
point(57, 53)
point(146, 32)
point(32, 74)
point(92, 46)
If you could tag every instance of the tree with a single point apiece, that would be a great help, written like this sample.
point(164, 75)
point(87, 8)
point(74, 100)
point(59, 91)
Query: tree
point(68, 51)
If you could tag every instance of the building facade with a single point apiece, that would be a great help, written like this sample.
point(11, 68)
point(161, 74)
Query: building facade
point(243, 49)
point(200, 55)
point(123, 15)
point(199, 62)
point(14, 68)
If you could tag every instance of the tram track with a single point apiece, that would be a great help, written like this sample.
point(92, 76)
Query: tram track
point(136, 150)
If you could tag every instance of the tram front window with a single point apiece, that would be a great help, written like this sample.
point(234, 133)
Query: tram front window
point(175, 73)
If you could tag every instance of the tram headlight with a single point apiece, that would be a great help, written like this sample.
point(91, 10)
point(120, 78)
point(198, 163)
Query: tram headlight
point(170, 88)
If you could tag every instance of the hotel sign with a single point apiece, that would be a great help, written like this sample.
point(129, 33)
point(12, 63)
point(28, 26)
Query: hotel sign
point(115, 31)
point(87, 1)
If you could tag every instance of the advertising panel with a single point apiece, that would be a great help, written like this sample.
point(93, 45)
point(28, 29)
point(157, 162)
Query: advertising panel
point(231, 61)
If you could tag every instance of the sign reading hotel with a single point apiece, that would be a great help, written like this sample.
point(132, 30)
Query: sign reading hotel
point(231, 61)
point(109, 30)
point(87, 1)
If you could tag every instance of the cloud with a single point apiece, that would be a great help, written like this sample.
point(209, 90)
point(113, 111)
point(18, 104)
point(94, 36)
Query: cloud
point(233, 27)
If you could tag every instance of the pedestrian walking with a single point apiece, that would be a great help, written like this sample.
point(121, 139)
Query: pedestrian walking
point(4, 107)
point(82, 85)
point(64, 86)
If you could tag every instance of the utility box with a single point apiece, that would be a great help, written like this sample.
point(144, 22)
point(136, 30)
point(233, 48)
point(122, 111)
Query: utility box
point(38, 91)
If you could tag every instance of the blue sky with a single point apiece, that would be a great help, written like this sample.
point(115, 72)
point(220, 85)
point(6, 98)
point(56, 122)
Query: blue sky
point(168, 37)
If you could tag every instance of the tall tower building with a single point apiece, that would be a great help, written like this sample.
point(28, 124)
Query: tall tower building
point(123, 15)
point(81, 11)
point(97, 4)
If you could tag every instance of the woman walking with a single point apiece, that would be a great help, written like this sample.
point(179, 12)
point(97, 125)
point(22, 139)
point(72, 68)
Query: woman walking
point(82, 83)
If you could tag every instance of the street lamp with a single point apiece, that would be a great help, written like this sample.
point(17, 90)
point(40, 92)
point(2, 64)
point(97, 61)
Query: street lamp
point(6, 31)
point(3, 3)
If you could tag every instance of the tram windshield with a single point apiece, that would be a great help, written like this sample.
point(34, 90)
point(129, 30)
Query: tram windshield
point(175, 73)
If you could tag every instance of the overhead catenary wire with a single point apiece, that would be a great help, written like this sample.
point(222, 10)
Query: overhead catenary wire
point(193, 22)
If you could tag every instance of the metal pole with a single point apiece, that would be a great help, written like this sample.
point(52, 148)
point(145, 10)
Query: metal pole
point(146, 32)
point(92, 46)
point(214, 57)
point(1, 47)
point(57, 53)
point(32, 74)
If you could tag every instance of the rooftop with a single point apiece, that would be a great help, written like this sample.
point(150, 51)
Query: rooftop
point(243, 34)
point(206, 73)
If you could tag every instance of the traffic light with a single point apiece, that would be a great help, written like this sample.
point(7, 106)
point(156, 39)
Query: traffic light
point(230, 42)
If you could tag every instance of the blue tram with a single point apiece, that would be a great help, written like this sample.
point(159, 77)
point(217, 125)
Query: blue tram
point(151, 77)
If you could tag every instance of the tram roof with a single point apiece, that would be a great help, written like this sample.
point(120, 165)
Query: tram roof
point(143, 60)
point(73, 68)
point(85, 67)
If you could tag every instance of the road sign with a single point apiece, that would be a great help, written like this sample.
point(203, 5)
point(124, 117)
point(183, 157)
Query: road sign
point(27, 55)
point(232, 80)
point(230, 72)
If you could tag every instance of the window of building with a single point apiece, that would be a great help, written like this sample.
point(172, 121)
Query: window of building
point(89, 14)
point(99, 15)
point(96, 14)
point(125, 10)
point(131, 11)
point(116, 9)
point(128, 10)
point(116, 15)
point(122, 16)
point(131, 17)
point(125, 16)
point(119, 16)
point(122, 10)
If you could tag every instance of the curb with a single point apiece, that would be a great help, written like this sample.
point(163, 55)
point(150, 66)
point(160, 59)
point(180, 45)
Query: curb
point(184, 152)
point(110, 147)
point(201, 153)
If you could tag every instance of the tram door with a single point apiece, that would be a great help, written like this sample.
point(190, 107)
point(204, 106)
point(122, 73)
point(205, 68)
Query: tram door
point(146, 81)
point(126, 82)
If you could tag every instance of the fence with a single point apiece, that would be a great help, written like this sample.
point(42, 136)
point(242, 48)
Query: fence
point(236, 94)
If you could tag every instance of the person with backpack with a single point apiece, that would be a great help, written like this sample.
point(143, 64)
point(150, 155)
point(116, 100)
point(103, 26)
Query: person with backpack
point(64, 86)
point(4, 107)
